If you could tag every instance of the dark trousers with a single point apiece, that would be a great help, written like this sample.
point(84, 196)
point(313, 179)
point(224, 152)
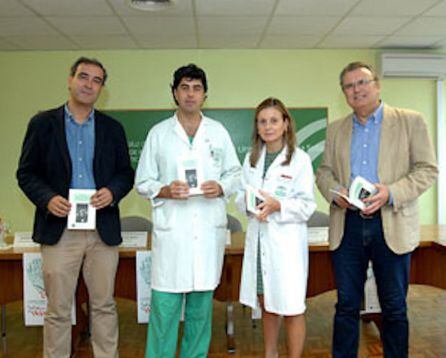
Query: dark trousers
point(363, 241)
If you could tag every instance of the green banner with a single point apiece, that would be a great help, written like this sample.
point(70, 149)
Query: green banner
point(311, 124)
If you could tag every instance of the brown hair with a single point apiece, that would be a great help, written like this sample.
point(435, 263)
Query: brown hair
point(289, 135)
point(354, 66)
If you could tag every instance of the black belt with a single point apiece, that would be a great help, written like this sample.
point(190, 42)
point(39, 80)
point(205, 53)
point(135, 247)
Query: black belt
point(375, 215)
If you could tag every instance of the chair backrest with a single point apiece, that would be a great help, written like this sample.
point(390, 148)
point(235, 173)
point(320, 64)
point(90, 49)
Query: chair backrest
point(135, 223)
point(319, 219)
point(234, 225)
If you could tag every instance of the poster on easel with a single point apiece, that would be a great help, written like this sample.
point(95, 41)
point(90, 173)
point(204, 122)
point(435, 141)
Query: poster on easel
point(143, 285)
point(34, 296)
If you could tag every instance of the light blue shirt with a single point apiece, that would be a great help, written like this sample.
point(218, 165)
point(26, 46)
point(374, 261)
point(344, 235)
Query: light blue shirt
point(80, 140)
point(364, 150)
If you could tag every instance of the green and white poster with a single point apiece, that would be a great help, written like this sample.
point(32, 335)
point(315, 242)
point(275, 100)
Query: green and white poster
point(311, 124)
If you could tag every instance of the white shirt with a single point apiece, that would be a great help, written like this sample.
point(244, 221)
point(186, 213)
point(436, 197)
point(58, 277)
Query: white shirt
point(188, 240)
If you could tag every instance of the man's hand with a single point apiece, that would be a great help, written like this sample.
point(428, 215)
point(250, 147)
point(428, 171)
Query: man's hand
point(102, 198)
point(211, 189)
point(269, 206)
point(340, 201)
point(178, 190)
point(375, 202)
point(59, 206)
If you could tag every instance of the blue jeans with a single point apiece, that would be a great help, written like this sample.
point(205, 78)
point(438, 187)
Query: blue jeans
point(363, 241)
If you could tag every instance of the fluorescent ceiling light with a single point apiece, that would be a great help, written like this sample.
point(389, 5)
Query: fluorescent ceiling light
point(150, 5)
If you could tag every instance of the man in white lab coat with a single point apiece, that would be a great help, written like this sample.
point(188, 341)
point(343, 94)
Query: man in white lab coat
point(189, 228)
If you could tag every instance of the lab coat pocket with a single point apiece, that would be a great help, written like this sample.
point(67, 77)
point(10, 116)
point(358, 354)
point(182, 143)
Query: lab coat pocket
point(163, 217)
point(220, 218)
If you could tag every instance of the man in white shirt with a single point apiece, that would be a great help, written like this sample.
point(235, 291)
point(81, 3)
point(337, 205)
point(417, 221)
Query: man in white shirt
point(189, 232)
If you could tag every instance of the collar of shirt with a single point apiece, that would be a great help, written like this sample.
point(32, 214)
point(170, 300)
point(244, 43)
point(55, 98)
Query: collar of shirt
point(376, 117)
point(69, 118)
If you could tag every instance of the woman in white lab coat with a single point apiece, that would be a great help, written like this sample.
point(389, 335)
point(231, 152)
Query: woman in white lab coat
point(275, 264)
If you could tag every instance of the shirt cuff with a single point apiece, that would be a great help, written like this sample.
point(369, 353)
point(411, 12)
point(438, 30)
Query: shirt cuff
point(390, 201)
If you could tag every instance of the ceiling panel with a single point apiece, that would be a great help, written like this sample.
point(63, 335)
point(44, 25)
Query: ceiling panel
point(179, 41)
point(286, 41)
point(314, 7)
point(437, 10)
point(233, 26)
point(12, 8)
point(410, 41)
point(5, 45)
point(308, 25)
point(345, 41)
point(388, 8)
point(48, 24)
point(84, 25)
point(425, 26)
point(105, 41)
point(369, 25)
point(56, 42)
point(228, 41)
point(160, 25)
point(69, 7)
point(234, 7)
point(25, 26)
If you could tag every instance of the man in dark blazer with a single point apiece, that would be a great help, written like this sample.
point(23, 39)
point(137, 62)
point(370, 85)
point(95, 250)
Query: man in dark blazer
point(77, 147)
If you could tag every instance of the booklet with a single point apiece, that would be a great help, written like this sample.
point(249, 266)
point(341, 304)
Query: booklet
point(190, 171)
point(253, 199)
point(82, 214)
point(359, 189)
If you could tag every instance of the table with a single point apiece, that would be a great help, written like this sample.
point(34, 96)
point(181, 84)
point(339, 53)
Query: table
point(428, 267)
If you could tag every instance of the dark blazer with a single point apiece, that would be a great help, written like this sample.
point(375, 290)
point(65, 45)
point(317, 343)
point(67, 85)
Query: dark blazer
point(45, 171)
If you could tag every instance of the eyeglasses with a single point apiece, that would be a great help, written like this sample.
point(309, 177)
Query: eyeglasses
point(359, 84)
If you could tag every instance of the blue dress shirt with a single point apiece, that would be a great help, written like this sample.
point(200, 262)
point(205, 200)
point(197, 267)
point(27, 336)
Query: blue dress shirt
point(364, 150)
point(80, 140)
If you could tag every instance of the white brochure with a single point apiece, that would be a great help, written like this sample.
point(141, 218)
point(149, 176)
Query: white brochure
point(82, 214)
point(359, 190)
point(190, 170)
point(34, 296)
point(253, 199)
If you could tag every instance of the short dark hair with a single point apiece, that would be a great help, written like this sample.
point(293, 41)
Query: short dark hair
point(88, 61)
point(354, 66)
point(190, 71)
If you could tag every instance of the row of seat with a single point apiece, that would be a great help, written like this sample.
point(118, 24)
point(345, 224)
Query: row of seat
point(138, 223)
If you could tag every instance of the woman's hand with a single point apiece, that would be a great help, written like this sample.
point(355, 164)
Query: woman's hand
point(269, 206)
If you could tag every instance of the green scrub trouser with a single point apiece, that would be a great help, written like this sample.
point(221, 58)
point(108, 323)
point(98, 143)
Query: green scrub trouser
point(165, 314)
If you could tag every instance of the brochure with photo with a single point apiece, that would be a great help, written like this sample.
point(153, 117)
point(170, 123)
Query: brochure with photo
point(253, 199)
point(190, 171)
point(82, 214)
point(359, 190)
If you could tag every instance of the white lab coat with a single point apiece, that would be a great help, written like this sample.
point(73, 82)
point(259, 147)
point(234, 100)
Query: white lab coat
point(188, 239)
point(283, 239)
